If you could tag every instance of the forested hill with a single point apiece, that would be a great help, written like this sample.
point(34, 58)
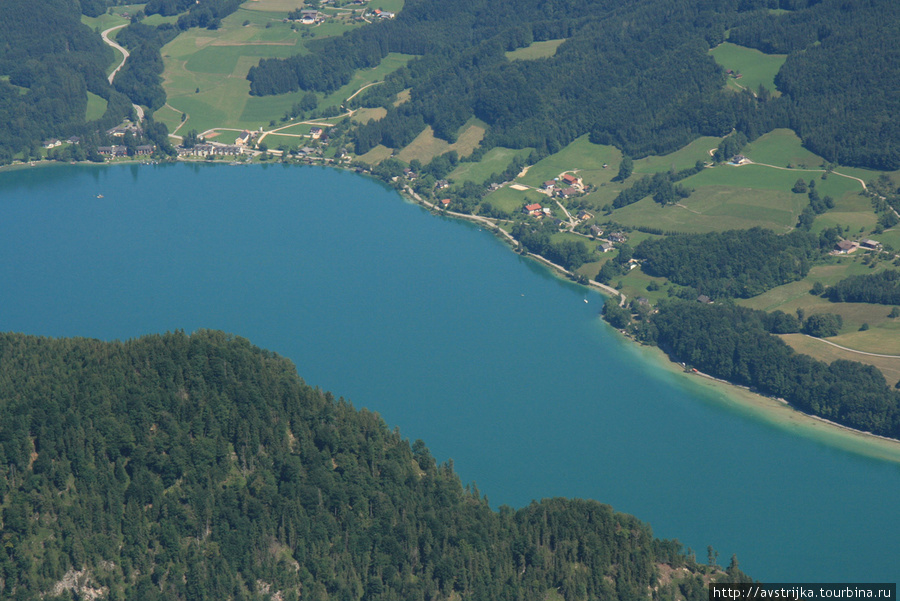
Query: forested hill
point(633, 74)
point(200, 467)
point(49, 61)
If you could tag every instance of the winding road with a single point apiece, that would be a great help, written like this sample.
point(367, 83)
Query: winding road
point(125, 54)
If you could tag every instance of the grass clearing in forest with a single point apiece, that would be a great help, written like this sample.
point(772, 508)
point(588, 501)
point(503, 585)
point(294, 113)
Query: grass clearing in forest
point(582, 156)
point(717, 208)
point(821, 350)
point(366, 115)
point(512, 201)
point(96, 106)
point(205, 72)
point(683, 158)
point(426, 146)
point(376, 155)
point(496, 160)
point(535, 50)
point(883, 335)
point(783, 148)
point(756, 68)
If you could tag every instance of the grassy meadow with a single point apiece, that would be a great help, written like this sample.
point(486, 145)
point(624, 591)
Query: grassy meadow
point(512, 201)
point(535, 50)
point(205, 72)
point(756, 68)
point(582, 156)
point(818, 349)
point(426, 146)
point(883, 334)
point(96, 106)
point(496, 160)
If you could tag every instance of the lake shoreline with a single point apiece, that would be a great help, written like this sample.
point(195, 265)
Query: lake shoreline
point(773, 411)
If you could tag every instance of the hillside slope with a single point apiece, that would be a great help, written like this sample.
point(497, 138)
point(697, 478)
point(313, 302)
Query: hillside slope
point(201, 467)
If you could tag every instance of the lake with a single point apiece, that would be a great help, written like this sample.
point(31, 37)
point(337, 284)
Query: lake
point(451, 337)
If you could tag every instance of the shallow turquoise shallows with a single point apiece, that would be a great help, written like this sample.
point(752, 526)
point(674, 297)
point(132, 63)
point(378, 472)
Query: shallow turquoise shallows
point(449, 336)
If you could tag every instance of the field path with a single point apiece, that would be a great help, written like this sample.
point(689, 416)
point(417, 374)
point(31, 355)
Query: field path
point(368, 85)
point(126, 54)
point(844, 348)
point(861, 182)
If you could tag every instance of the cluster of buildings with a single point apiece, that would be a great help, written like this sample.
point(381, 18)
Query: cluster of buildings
point(118, 150)
point(845, 247)
point(566, 186)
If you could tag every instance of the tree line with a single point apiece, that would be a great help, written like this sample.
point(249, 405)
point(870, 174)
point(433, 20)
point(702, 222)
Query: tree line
point(637, 76)
point(51, 61)
point(202, 468)
point(735, 263)
point(737, 344)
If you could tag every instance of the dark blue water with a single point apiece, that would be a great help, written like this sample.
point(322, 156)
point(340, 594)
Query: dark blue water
point(448, 335)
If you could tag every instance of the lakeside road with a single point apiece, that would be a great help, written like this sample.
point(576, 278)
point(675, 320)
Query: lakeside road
point(515, 243)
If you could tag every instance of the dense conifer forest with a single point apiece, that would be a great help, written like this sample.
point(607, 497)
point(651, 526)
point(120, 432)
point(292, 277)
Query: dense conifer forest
point(633, 74)
point(49, 61)
point(200, 467)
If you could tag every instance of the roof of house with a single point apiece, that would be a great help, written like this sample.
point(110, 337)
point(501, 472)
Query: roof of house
point(533, 207)
point(569, 178)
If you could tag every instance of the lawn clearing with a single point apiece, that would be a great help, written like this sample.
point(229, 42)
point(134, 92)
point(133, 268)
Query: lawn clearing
point(376, 155)
point(425, 147)
point(782, 147)
point(496, 160)
point(821, 350)
point(172, 119)
point(683, 158)
point(205, 74)
point(582, 156)
point(512, 201)
point(96, 106)
point(535, 50)
point(756, 68)
point(717, 208)
point(366, 115)
point(362, 77)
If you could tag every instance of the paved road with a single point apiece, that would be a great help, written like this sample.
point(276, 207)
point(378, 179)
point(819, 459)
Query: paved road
point(105, 35)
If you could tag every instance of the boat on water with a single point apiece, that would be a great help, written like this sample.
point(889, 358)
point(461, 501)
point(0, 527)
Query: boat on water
point(99, 196)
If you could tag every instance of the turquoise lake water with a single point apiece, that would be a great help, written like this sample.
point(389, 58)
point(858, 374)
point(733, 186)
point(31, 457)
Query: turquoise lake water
point(448, 335)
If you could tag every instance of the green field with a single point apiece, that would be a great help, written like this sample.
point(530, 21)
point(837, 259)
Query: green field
point(535, 50)
point(426, 146)
point(717, 208)
point(891, 237)
point(512, 201)
point(684, 158)
point(883, 335)
point(376, 155)
point(96, 106)
point(582, 156)
point(823, 351)
point(782, 147)
point(756, 69)
point(205, 72)
point(496, 160)
point(759, 177)
point(728, 197)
